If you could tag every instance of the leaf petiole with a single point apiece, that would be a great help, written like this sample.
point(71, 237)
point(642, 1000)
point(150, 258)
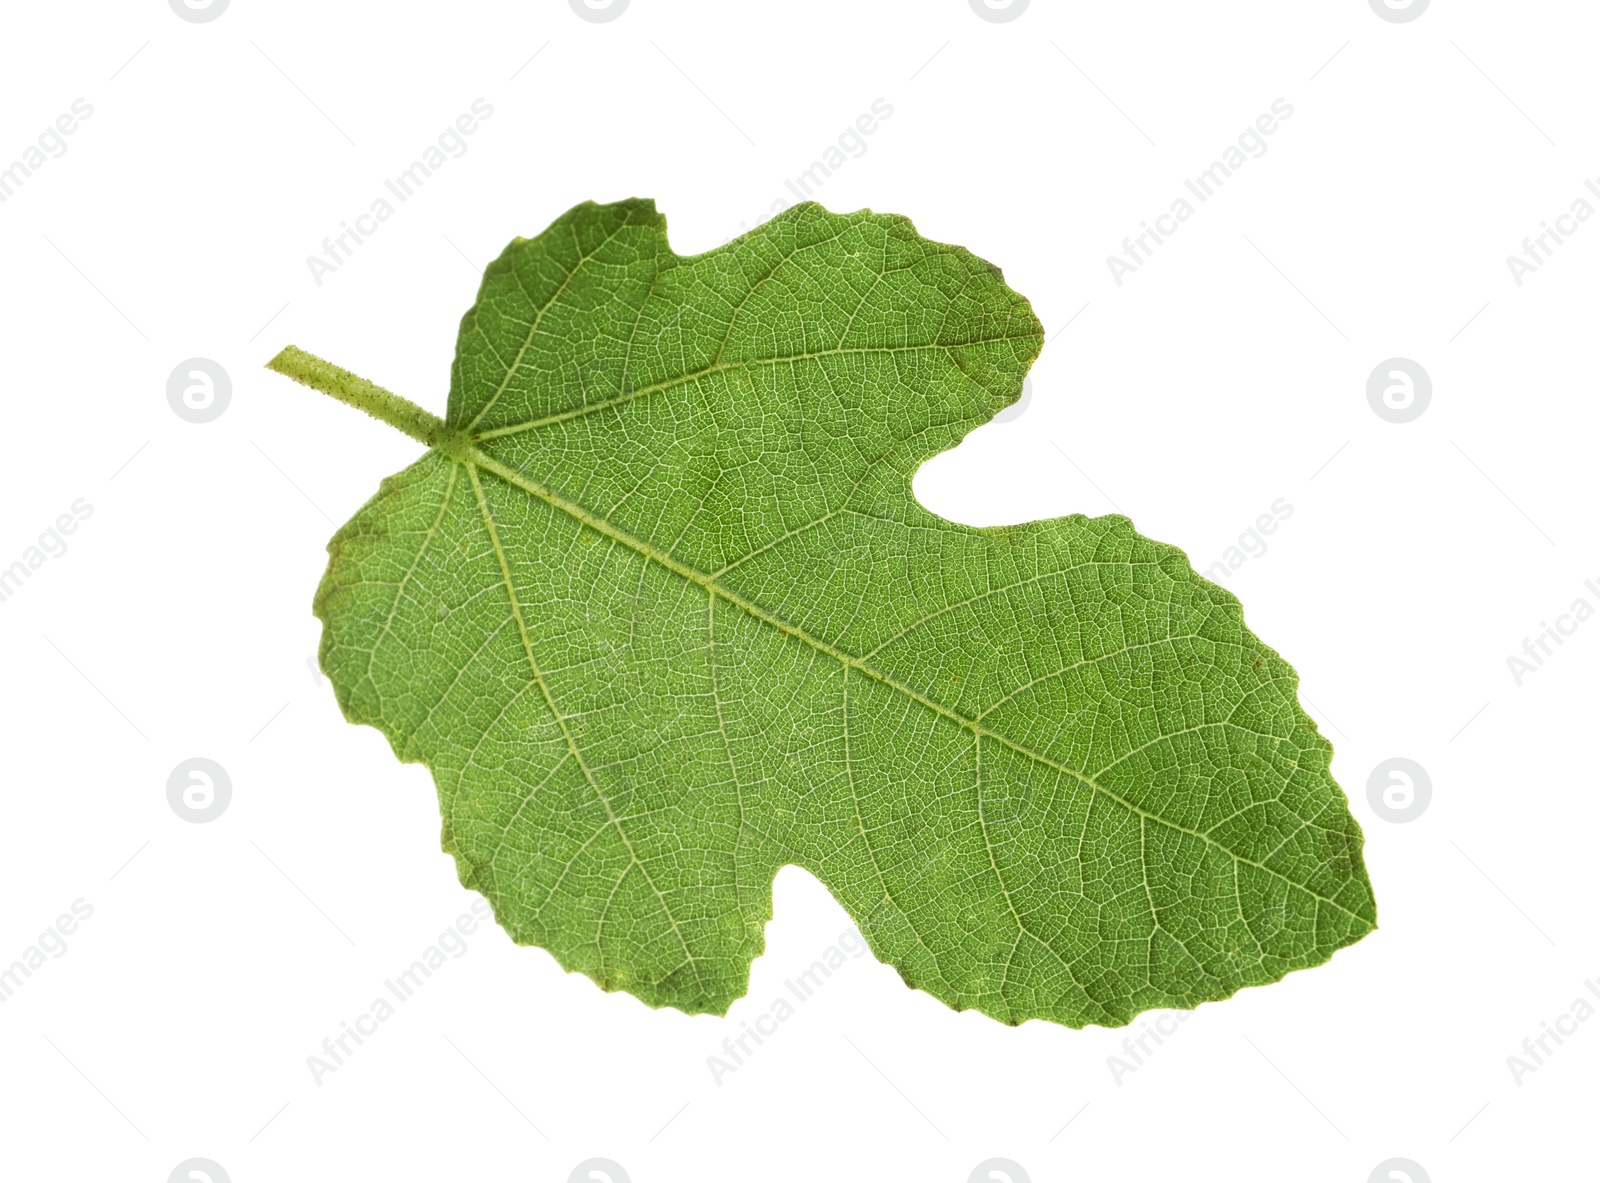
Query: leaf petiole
point(397, 412)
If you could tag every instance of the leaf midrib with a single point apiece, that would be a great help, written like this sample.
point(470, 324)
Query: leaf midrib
point(475, 456)
point(453, 444)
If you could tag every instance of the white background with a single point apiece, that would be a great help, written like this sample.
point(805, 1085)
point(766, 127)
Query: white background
point(1228, 372)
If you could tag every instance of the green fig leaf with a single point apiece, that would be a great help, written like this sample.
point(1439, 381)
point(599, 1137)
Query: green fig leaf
point(659, 611)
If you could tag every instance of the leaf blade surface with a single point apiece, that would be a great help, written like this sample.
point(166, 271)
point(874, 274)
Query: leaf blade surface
point(662, 615)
